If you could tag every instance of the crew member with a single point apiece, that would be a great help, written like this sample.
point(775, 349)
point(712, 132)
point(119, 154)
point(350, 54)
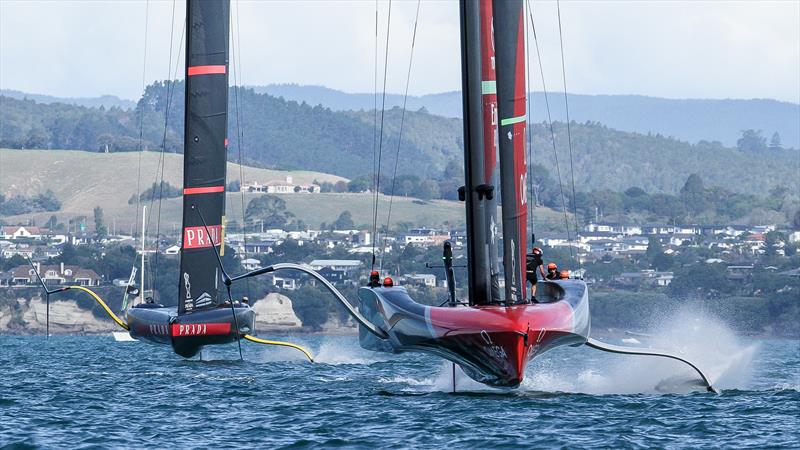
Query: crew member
point(552, 272)
point(374, 279)
point(564, 275)
point(533, 261)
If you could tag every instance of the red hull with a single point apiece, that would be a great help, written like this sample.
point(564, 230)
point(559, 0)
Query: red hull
point(492, 344)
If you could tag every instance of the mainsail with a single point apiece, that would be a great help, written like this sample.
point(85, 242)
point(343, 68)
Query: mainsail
point(204, 152)
point(510, 57)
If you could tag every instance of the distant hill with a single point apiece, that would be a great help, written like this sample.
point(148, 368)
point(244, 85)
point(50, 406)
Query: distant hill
point(106, 101)
point(691, 120)
point(83, 180)
point(285, 134)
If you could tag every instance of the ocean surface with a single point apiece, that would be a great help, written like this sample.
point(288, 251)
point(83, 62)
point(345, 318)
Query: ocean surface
point(93, 392)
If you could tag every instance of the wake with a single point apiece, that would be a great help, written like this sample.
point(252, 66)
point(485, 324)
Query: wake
point(704, 340)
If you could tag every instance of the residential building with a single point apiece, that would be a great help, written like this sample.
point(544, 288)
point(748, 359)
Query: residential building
point(55, 275)
point(288, 186)
point(251, 264)
point(347, 266)
point(420, 279)
point(426, 237)
point(20, 232)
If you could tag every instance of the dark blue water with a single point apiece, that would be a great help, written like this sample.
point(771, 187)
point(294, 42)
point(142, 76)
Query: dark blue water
point(87, 392)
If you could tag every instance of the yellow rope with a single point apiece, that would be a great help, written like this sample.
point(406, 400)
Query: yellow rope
point(283, 344)
point(99, 300)
point(124, 325)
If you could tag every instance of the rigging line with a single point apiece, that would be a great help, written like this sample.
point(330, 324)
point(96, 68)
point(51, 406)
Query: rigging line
point(400, 136)
point(375, 130)
point(529, 108)
point(141, 123)
point(552, 132)
point(380, 136)
point(161, 162)
point(569, 132)
point(237, 66)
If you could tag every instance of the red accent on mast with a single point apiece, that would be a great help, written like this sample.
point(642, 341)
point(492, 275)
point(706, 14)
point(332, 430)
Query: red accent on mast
point(203, 190)
point(489, 100)
point(205, 70)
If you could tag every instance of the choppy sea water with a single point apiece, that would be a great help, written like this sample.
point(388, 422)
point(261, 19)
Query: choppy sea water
point(93, 392)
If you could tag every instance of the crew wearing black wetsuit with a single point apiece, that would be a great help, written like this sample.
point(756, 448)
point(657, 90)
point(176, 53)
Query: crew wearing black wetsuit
point(533, 261)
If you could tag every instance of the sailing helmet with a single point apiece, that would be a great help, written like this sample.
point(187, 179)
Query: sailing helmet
point(374, 273)
point(388, 282)
point(552, 266)
point(565, 274)
point(536, 251)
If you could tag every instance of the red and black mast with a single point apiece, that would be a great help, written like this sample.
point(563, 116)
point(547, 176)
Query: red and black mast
point(509, 34)
point(204, 152)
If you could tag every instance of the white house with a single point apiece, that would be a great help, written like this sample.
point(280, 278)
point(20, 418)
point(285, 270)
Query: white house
point(281, 187)
point(422, 279)
point(343, 265)
point(172, 250)
point(251, 264)
point(20, 232)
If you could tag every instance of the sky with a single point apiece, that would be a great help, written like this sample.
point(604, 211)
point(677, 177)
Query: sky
point(673, 49)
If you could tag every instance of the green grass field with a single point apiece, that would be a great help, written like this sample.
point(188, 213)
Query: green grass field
point(83, 180)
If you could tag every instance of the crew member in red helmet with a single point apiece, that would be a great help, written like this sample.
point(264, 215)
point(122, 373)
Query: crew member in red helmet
point(374, 279)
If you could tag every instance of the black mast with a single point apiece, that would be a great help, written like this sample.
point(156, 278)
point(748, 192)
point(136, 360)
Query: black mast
point(204, 152)
point(475, 191)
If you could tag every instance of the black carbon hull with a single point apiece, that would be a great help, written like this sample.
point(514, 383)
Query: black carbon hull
point(189, 333)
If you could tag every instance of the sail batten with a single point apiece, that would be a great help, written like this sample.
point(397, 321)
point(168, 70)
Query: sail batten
point(204, 154)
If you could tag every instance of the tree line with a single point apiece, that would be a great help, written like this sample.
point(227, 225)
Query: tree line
point(289, 135)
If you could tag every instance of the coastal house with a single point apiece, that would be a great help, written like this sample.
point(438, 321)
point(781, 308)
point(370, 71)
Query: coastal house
point(739, 272)
point(18, 249)
point(288, 186)
point(648, 277)
point(348, 266)
point(60, 274)
point(20, 232)
point(419, 279)
point(173, 250)
point(425, 237)
point(283, 282)
point(251, 264)
point(659, 229)
point(612, 227)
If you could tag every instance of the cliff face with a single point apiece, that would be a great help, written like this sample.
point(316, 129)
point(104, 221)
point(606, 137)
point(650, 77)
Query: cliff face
point(275, 312)
point(28, 316)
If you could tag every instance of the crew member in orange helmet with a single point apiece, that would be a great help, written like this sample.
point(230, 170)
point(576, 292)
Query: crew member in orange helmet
point(564, 274)
point(552, 272)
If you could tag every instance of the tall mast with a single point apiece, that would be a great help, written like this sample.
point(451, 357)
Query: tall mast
point(510, 50)
point(490, 122)
point(474, 168)
point(204, 152)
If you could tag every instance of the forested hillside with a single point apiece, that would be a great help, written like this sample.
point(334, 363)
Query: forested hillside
point(285, 134)
point(692, 120)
